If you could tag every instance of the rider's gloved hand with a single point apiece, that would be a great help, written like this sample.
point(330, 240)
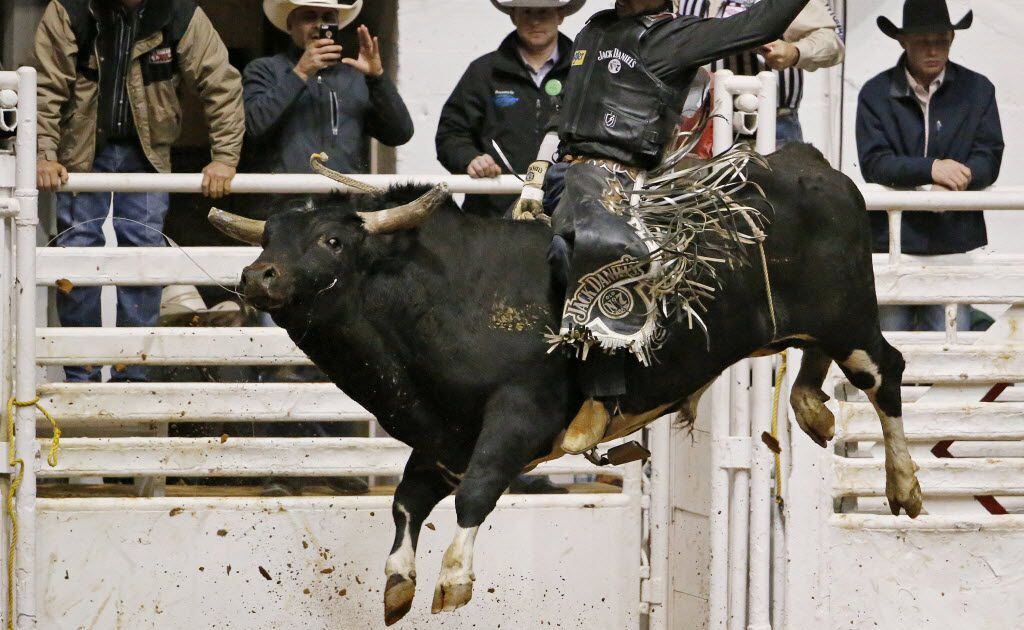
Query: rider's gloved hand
point(530, 205)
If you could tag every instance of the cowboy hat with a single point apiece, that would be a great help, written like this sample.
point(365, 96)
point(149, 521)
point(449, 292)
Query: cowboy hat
point(181, 305)
point(924, 16)
point(568, 6)
point(277, 11)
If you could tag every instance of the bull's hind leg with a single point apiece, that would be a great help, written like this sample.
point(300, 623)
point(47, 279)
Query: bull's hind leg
point(516, 431)
point(809, 401)
point(423, 485)
point(879, 373)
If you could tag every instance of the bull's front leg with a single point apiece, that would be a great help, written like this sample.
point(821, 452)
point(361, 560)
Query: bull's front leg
point(455, 583)
point(515, 432)
point(423, 485)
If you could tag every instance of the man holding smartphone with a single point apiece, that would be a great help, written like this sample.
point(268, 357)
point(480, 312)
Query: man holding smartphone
point(310, 99)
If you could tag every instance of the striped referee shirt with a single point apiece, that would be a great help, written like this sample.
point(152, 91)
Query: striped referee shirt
point(749, 63)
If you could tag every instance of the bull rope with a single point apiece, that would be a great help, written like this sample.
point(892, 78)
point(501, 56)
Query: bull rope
point(12, 462)
point(780, 374)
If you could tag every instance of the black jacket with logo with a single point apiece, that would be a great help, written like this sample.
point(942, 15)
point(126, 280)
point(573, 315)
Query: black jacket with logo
point(671, 53)
point(496, 99)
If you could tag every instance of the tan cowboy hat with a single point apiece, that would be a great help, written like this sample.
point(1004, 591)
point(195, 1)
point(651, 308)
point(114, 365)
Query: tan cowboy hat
point(181, 305)
point(568, 6)
point(278, 10)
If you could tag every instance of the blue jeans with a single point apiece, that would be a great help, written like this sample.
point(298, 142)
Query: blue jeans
point(82, 215)
point(788, 129)
point(928, 317)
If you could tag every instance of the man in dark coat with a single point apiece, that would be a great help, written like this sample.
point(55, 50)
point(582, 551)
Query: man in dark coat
point(929, 122)
point(507, 96)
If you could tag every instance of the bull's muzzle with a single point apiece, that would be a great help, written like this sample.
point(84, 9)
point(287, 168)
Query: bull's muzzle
point(257, 285)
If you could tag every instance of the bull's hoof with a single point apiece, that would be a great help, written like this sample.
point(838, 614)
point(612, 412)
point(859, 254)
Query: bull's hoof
point(903, 491)
point(398, 596)
point(451, 596)
point(812, 415)
point(587, 428)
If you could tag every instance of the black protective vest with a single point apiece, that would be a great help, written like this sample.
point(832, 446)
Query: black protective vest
point(614, 107)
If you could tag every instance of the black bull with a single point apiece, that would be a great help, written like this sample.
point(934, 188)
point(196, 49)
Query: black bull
point(436, 327)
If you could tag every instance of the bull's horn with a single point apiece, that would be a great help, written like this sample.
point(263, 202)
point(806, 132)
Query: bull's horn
point(406, 216)
point(248, 231)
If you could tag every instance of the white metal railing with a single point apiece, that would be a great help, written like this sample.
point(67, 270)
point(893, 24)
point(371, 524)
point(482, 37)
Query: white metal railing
point(279, 183)
point(741, 511)
point(25, 221)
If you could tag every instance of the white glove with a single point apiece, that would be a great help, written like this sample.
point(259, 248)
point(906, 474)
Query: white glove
point(530, 205)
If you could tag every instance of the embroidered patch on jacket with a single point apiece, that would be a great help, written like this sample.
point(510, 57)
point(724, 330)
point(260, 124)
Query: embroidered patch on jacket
point(579, 57)
point(161, 55)
point(617, 58)
point(505, 98)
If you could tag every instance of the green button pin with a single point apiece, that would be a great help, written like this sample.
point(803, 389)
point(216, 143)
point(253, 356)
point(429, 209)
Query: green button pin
point(553, 87)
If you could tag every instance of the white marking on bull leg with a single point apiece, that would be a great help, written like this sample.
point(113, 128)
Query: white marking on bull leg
point(860, 362)
point(455, 583)
point(400, 570)
point(402, 561)
point(901, 486)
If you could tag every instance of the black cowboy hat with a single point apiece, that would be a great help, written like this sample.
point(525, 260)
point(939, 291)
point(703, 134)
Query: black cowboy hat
point(924, 16)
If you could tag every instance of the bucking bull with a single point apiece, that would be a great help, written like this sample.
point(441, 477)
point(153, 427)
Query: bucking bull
point(434, 321)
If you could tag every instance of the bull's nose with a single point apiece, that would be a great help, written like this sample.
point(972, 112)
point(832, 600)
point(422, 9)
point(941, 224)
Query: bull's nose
point(259, 276)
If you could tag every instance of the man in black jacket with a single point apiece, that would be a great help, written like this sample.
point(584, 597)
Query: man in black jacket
point(630, 73)
point(928, 122)
point(507, 96)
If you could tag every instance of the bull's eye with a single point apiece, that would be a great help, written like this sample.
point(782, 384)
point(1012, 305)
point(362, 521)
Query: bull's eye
point(333, 243)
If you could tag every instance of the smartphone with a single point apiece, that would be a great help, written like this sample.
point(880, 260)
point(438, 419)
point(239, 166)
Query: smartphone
point(331, 31)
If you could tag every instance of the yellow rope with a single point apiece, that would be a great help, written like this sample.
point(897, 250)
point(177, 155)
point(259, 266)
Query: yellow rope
point(12, 462)
point(780, 373)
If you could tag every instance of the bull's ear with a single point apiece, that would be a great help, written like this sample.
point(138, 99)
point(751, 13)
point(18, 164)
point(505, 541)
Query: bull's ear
point(406, 216)
point(249, 231)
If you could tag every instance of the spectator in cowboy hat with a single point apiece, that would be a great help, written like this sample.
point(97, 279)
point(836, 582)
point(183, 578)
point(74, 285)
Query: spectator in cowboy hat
point(507, 96)
point(928, 122)
point(310, 100)
point(109, 77)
